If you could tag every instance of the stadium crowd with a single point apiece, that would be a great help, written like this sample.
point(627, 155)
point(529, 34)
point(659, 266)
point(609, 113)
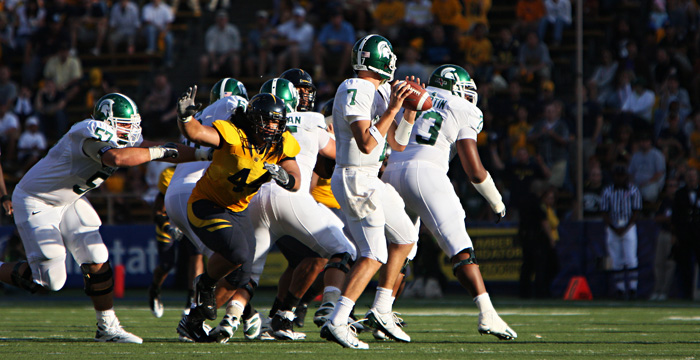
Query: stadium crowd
point(641, 92)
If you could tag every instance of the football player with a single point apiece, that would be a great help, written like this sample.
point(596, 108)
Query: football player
point(54, 217)
point(277, 212)
point(364, 109)
point(250, 148)
point(227, 95)
point(419, 174)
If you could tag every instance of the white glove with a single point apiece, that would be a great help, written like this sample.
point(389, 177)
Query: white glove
point(278, 173)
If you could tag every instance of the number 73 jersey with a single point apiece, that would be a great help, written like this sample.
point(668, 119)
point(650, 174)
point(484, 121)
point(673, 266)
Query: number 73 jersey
point(66, 173)
point(436, 131)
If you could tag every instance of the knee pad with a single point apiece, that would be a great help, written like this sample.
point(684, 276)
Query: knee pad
point(24, 280)
point(240, 277)
point(470, 261)
point(97, 284)
point(344, 263)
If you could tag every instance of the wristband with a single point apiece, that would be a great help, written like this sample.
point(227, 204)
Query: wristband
point(403, 132)
point(376, 134)
point(5, 197)
point(157, 152)
point(488, 190)
point(290, 183)
point(185, 120)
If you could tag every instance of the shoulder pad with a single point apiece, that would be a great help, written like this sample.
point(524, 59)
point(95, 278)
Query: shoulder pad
point(227, 131)
point(291, 145)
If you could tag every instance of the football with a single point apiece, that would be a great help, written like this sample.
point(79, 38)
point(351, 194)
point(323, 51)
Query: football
point(419, 99)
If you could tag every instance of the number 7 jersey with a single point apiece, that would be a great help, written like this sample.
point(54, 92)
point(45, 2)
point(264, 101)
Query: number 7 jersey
point(66, 173)
point(436, 131)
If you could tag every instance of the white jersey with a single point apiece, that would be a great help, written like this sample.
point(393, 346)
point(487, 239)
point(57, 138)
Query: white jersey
point(67, 173)
point(191, 172)
point(436, 131)
point(357, 99)
point(309, 129)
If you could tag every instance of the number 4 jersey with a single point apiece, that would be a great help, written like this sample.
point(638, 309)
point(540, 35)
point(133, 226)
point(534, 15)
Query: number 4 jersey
point(437, 130)
point(67, 172)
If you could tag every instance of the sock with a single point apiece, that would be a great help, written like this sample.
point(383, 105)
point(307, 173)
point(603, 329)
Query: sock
point(275, 307)
point(206, 280)
point(342, 311)
point(248, 311)
point(190, 299)
point(105, 317)
point(331, 294)
point(483, 302)
point(290, 302)
point(235, 309)
point(383, 300)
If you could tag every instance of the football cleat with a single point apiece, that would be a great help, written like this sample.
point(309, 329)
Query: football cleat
point(323, 313)
point(154, 301)
point(491, 323)
point(115, 333)
point(379, 335)
point(345, 335)
point(300, 314)
point(193, 331)
point(205, 298)
point(282, 328)
point(225, 330)
point(388, 323)
point(252, 326)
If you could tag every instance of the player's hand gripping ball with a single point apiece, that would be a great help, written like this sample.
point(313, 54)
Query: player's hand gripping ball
point(419, 99)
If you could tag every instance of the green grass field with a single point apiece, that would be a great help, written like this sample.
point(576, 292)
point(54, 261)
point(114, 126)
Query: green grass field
point(61, 326)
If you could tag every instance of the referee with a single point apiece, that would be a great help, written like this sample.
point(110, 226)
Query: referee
point(620, 204)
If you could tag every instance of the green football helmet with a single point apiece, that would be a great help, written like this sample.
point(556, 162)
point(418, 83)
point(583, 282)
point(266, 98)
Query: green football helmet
point(227, 87)
point(374, 53)
point(284, 89)
point(119, 111)
point(455, 79)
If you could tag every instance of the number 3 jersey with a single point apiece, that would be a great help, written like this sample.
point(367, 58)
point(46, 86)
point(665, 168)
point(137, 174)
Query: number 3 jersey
point(236, 172)
point(66, 173)
point(357, 99)
point(437, 130)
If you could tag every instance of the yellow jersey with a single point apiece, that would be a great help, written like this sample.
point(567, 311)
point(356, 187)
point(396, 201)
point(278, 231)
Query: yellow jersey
point(236, 171)
point(164, 179)
point(323, 194)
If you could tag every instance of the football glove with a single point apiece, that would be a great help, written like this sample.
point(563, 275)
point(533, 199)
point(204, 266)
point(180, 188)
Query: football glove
point(168, 150)
point(186, 106)
point(278, 173)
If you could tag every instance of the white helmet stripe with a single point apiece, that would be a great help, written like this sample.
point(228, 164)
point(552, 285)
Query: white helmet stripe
point(360, 50)
point(222, 89)
point(273, 90)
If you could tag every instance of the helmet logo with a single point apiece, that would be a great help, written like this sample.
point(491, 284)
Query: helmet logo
point(449, 73)
point(384, 50)
point(106, 107)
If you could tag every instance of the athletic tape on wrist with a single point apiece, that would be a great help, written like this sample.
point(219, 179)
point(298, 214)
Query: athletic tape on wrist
point(403, 132)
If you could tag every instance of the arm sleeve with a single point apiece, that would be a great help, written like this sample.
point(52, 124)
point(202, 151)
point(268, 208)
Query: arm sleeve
point(94, 149)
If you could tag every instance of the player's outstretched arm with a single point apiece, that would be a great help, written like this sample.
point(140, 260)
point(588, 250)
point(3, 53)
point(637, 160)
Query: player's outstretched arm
point(480, 178)
point(193, 130)
point(133, 156)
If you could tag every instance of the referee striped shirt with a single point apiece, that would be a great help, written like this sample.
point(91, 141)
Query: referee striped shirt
point(620, 203)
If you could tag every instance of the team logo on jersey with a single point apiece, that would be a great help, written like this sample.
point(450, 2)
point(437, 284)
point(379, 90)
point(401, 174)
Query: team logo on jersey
point(106, 107)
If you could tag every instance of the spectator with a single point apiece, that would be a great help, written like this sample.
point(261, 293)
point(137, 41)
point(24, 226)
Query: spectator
point(621, 148)
point(552, 138)
point(9, 133)
point(31, 16)
point(159, 109)
point(23, 106)
point(506, 107)
point(50, 104)
point(685, 218)
point(157, 18)
point(296, 37)
point(8, 88)
point(410, 65)
point(448, 15)
point(437, 50)
point(671, 92)
point(622, 91)
point(389, 14)
point(621, 204)
point(333, 46)
point(603, 77)
point(528, 14)
point(694, 160)
point(521, 173)
point(478, 52)
point(658, 18)
point(124, 23)
point(31, 145)
point(192, 4)
point(592, 192)
point(223, 45)
point(672, 141)
point(257, 45)
point(517, 133)
point(89, 20)
point(505, 56)
point(476, 12)
point(418, 17)
point(592, 123)
point(534, 59)
point(639, 104)
point(664, 265)
point(538, 237)
point(647, 169)
point(65, 70)
point(558, 15)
